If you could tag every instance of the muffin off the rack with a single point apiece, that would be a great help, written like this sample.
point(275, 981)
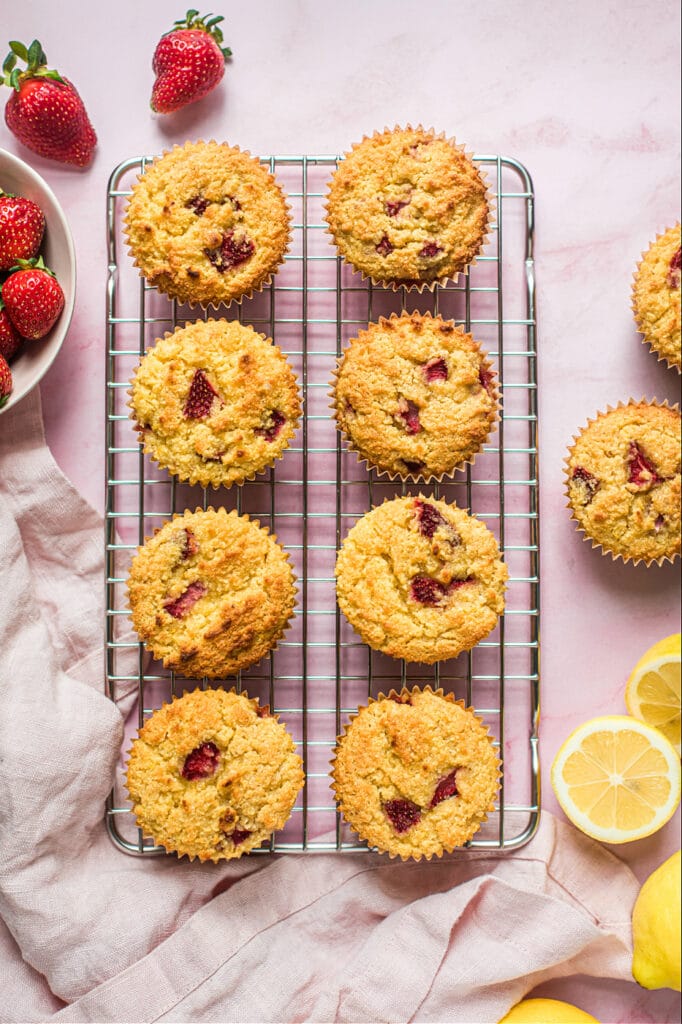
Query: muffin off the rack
point(211, 593)
point(415, 773)
point(408, 207)
point(420, 579)
point(656, 297)
point(623, 481)
point(215, 402)
point(207, 223)
point(212, 775)
point(415, 396)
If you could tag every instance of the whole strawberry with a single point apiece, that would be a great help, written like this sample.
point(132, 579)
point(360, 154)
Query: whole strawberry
point(5, 381)
point(33, 299)
point(45, 111)
point(188, 62)
point(10, 340)
point(22, 224)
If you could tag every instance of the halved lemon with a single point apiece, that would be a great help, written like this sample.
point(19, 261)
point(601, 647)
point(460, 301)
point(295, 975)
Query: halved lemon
point(617, 779)
point(653, 689)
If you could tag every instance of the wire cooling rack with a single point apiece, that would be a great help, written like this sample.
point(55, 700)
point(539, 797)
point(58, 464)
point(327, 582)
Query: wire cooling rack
point(321, 672)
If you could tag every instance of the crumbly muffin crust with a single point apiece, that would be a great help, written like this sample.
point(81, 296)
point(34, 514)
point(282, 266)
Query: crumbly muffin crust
point(415, 773)
point(623, 481)
point(415, 395)
point(212, 775)
point(215, 402)
point(420, 579)
point(656, 296)
point(408, 206)
point(207, 223)
point(210, 593)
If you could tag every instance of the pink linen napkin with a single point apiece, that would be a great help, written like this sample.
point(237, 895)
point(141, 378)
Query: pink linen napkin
point(89, 934)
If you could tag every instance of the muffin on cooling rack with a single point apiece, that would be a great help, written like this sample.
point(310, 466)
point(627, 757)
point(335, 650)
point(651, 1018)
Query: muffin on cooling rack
point(420, 579)
point(656, 296)
point(408, 207)
point(415, 395)
point(415, 773)
point(623, 481)
point(215, 402)
point(212, 775)
point(207, 223)
point(210, 593)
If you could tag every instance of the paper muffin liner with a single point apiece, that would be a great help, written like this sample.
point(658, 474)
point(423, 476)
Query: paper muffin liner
point(415, 477)
point(287, 558)
point(194, 478)
point(253, 289)
point(399, 696)
point(641, 327)
point(421, 286)
point(258, 707)
point(615, 555)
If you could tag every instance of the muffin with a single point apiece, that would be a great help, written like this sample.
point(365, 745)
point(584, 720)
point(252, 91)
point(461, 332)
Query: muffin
point(210, 593)
point(656, 296)
point(215, 402)
point(420, 579)
point(408, 207)
point(415, 395)
point(415, 773)
point(623, 481)
point(207, 223)
point(212, 775)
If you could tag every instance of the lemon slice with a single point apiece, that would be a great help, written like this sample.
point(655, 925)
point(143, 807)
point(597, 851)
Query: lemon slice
point(617, 778)
point(653, 689)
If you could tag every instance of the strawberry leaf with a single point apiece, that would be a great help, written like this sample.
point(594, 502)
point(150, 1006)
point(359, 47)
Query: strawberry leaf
point(35, 51)
point(19, 49)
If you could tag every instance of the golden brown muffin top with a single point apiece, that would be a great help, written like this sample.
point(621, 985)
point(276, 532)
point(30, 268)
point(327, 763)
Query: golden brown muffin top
point(212, 775)
point(210, 593)
point(415, 773)
point(207, 223)
point(215, 402)
point(415, 395)
point(420, 579)
point(623, 481)
point(656, 296)
point(408, 206)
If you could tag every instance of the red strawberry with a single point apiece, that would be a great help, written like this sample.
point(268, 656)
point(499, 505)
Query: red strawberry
point(22, 224)
point(45, 111)
point(188, 62)
point(9, 337)
point(33, 298)
point(5, 381)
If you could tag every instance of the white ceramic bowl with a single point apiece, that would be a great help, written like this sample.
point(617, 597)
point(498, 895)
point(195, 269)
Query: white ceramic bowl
point(36, 357)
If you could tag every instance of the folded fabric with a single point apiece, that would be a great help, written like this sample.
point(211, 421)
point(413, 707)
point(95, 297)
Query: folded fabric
point(323, 938)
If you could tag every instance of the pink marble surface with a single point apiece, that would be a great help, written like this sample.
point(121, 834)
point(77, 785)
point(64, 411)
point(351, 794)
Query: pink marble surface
point(586, 96)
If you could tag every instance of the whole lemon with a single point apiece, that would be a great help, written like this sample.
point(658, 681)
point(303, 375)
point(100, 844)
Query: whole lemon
point(656, 928)
point(547, 1011)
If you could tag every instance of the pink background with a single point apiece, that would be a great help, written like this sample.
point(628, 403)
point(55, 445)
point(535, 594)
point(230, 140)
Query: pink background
point(586, 96)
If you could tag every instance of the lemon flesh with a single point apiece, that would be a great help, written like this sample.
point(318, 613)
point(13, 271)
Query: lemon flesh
point(652, 693)
point(656, 928)
point(617, 779)
point(547, 1011)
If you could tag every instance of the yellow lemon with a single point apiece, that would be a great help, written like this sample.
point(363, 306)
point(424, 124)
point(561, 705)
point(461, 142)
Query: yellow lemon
point(653, 689)
point(547, 1011)
point(656, 928)
point(617, 778)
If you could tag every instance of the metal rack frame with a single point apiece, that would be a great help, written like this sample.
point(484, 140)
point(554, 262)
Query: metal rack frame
point(320, 673)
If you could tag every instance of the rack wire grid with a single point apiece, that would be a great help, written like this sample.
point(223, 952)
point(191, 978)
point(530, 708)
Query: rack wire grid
point(320, 671)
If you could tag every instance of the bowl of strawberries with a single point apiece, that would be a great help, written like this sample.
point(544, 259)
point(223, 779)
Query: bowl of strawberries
point(37, 278)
